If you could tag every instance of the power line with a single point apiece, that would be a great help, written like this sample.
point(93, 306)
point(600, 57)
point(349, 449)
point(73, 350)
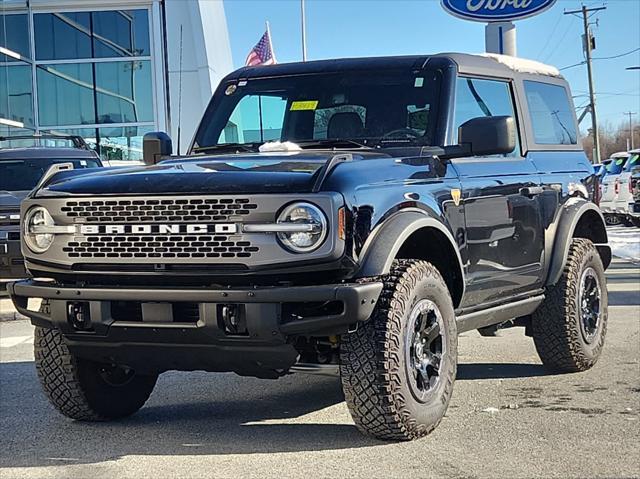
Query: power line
point(617, 56)
point(552, 52)
point(601, 58)
point(553, 31)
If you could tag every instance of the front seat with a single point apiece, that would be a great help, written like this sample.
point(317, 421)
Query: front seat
point(345, 125)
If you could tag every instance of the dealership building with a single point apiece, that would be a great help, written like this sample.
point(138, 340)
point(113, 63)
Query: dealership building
point(110, 70)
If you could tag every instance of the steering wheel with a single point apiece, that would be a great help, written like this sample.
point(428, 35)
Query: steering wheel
point(402, 133)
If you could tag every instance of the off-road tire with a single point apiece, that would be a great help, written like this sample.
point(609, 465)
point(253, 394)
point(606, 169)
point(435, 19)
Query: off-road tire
point(373, 365)
point(75, 386)
point(555, 325)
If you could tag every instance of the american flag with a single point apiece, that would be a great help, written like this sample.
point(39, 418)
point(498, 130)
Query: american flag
point(262, 53)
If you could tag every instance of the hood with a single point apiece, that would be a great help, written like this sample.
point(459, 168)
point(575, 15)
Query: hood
point(10, 200)
point(249, 173)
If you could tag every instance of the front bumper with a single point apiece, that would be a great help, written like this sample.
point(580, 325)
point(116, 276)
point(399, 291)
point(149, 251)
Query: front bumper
point(11, 260)
point(147, 343)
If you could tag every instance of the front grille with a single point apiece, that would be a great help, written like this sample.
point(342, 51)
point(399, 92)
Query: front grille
point(161, 234)
point(158, 210)
point(169, 210)
point(167, 246)
point(9, 218)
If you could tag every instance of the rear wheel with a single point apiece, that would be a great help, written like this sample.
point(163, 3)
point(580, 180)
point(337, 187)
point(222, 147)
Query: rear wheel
point(87, 390)
point(569, 327)
point(398, 368)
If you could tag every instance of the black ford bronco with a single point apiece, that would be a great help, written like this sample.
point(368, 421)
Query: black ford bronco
point(352, 215)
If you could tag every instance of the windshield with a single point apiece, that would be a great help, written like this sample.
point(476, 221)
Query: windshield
point(368, 107)
point(616, 165)
point(632, 162)
point(23, 175)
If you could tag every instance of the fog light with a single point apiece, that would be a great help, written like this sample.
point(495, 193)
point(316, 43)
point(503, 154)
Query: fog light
point(79, 316)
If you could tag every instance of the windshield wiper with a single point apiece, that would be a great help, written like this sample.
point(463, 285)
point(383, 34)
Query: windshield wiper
point(332, 143)
point(250, 147)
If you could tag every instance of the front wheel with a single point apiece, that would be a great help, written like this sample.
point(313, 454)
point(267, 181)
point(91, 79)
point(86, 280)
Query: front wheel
point(569, 327)
point(398, 368)
point(85, 390)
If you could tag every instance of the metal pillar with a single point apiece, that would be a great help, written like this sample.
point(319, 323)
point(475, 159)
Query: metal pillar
point(500, 37)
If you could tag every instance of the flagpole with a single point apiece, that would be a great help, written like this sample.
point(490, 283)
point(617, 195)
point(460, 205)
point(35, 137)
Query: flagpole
point(273, 53)
point(304, 31)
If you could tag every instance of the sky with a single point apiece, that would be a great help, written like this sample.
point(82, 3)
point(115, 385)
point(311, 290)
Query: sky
point(356, 28)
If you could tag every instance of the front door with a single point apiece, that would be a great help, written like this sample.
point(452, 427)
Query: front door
point(504, 240)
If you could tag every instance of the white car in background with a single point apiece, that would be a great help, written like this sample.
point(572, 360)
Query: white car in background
point(610, 186)
point(624, 197)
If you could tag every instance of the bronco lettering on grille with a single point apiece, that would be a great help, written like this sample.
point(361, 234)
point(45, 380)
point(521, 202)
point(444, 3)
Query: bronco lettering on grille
point(219, 228)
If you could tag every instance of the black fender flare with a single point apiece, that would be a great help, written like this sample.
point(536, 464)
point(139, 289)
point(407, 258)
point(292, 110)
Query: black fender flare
point(385, 241)
point(572, 212)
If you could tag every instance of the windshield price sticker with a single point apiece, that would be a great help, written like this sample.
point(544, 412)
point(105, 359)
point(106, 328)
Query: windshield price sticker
point(304, 105)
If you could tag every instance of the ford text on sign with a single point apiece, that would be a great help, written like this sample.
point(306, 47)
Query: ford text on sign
point(496, 10)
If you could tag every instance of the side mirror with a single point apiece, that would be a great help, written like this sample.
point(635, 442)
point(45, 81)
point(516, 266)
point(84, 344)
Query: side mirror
point(488, 135)
point(155, 145)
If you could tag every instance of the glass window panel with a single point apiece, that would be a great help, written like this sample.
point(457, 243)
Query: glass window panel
point(477, 98)
point(122, 143)
point(551, 115)
point(124, 92)
point(322, 118)
point(16, 94)
point(120, 33)
point(65, 94)
point(256, 118)
point(62, 36)
point(14, 35)
point(88, 134)
point(12, 131)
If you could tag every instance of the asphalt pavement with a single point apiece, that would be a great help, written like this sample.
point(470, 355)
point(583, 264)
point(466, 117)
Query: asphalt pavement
point(508, 418)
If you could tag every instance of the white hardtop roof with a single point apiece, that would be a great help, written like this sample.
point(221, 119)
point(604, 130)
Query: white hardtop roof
point(620, 154)
point(522, 65)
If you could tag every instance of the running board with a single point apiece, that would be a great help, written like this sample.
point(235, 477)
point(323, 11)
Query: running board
point(498, 314)
point(332, 370)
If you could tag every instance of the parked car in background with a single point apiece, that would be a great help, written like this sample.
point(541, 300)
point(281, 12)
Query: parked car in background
point(24, 160)
point(624, 204)
point(600, 169)
point(610, 186)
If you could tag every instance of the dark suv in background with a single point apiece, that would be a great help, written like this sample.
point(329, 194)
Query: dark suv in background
point(24, 161)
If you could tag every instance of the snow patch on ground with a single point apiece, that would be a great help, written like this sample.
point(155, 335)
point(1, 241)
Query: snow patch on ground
point(625, 242)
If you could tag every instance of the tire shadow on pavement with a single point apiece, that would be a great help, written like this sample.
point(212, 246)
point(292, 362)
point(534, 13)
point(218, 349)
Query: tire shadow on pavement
point(188, 414)
point(471, 371)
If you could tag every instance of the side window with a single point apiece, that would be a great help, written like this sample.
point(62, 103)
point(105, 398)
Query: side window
point(256, 118)
point(552, 119)
point(476, 98)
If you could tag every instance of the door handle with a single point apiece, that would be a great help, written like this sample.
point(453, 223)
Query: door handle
point(531, 191)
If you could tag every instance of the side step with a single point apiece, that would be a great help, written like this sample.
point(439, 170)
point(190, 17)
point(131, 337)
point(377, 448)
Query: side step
point(332, 370)
point(498, 314)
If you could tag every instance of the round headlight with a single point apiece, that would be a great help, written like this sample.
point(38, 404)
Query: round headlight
point(37, 242)
point(312, 227)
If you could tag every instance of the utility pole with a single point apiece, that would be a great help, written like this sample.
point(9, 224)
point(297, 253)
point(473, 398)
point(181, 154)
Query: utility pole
point(631, 113)
point(588, 47)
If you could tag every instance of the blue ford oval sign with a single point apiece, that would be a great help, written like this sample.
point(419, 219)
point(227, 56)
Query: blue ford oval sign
point(496, 10)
